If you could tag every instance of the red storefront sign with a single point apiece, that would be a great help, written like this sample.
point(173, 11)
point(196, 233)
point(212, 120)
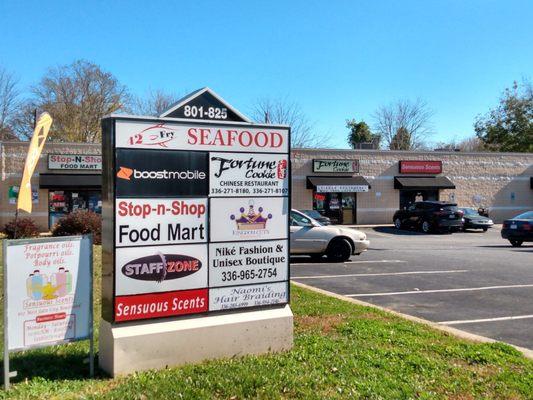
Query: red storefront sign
point(157, 305)
point(420, 167)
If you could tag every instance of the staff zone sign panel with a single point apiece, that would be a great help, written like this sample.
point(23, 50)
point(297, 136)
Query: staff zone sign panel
point(48, 291)
point(198, 217)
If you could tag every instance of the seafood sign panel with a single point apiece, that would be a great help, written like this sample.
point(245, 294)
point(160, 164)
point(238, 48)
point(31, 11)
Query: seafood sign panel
point(48, 291)
point(248, 174)
point(248, 218)
point(167, 135)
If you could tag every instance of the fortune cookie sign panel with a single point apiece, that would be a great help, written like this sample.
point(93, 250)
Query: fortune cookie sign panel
point(148, 173)
point(160, 221)
point(336, 166)
point(242, 263)
point(248, 174)
point(168, 135)
point(248, 218)
point(154, 269)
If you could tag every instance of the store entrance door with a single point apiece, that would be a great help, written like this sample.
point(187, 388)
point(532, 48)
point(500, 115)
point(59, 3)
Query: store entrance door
point(340, 208)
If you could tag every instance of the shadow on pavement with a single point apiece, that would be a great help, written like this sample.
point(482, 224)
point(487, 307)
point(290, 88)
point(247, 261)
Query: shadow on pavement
point(394, 231)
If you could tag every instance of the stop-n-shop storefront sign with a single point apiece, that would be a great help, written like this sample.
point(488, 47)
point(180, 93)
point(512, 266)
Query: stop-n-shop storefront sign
point(195, 217)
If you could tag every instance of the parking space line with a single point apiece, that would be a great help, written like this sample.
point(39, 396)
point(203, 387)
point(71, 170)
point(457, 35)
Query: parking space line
point(452, 271)
point(438, 290)
point(350, 262)
point(473, 321)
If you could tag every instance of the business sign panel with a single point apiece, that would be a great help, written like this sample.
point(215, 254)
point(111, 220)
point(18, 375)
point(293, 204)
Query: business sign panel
point(76, 162)
point(336, 166)
point(174, 136)
point(241, 263)
point(156, 173)
point(248, 218)
point(420, 167)
point(197, 220)
point(228, 298)
point(341, 188)
point(160, 221)
point(153, 269)
point(48, 291)
point(248, 174)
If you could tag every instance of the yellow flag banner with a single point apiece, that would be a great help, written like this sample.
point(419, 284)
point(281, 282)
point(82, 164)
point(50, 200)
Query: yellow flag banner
point(32, 158)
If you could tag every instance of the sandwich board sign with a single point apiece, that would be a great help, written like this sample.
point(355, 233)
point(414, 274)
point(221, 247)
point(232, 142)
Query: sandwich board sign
point(196, 213)
point(47, 294)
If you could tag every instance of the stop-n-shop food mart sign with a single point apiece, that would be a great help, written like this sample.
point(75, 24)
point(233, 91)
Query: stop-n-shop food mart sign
point(195, 217)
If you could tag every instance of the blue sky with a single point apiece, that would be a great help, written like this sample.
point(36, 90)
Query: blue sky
point(337, 59)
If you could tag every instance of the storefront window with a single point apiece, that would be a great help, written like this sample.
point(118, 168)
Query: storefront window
point(338, 207)
point(62, 202)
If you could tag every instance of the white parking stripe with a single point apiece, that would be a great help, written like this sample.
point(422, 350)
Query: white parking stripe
point(350, 262)
point(473, 321)
point(438, 290)
point(451, 271)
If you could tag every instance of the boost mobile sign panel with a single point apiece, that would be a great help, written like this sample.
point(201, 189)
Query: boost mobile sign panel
point(195, 217)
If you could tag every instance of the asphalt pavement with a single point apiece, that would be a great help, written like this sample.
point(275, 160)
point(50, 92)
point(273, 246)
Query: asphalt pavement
point(473, 281)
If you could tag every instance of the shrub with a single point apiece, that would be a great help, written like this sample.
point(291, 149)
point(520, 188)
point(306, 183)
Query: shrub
point(80, 222)
point(26, 228)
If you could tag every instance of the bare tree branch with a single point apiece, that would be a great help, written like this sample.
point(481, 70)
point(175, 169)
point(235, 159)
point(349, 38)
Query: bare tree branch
point(404, 125)
point(154, 103)
point(282, 111)
point(9, 101)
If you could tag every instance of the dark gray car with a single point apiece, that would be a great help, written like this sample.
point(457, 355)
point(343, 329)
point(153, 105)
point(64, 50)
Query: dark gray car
point(472, 220)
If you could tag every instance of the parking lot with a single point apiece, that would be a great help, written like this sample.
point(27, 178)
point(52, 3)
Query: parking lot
point(472, 281)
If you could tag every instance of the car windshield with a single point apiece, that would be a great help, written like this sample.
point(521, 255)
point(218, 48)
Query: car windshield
point(312, 213)
point(469, 211)
point(526, 215)
point(449, 208)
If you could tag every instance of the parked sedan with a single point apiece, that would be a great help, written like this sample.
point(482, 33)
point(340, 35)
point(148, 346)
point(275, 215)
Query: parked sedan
point(317, 216)
point(311, 238)
point(429, 216)
point(473, 220)
point(518, 229)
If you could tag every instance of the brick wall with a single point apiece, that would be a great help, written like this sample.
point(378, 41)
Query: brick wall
point(492, 177)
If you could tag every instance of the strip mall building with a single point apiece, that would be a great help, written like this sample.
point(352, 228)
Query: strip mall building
point(349, 186)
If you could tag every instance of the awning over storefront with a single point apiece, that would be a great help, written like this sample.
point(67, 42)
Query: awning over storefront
point(65, 181)
point(423, 182)
point(336, 184)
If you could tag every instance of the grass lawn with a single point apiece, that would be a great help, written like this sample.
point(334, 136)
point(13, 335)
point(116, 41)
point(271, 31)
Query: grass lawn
point(341, 350)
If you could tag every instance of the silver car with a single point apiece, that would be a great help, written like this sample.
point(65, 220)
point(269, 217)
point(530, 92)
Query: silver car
point(311, 238)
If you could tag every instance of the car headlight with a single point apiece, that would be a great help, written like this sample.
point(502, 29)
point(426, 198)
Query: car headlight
point(490, 222)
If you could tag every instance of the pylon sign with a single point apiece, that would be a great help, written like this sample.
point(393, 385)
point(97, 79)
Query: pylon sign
point(196, 213)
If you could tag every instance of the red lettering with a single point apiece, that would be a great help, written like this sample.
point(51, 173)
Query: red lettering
point(192, 136)
point(265, 139)
point(241, 139)
point(274, 135)
point(204, 135)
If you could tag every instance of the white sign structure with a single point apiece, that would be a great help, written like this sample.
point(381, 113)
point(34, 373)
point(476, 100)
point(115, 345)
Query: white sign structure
point(48, 292)
point(196, 223)
point(75, 161)
point(341, 188)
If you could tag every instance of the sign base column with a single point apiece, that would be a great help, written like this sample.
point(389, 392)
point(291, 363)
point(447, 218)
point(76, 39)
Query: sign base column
point(138, 346)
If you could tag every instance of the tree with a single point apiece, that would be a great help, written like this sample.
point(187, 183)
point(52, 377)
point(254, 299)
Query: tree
point(509, 127)
point(401, 140)
point(284, 112)
point(404, 124)
point(154, 103)
point(9, 101)
point(360, 134)
point(77, 96)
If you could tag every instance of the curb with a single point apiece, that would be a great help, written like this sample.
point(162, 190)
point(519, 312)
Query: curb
point(443, 328)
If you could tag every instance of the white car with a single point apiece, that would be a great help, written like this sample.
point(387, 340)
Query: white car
point(310, 237)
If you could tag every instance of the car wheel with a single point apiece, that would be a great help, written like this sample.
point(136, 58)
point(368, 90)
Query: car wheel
point(398, 223)
point(516, 243)
point(485, 229)
point(339, 250)
point(426, 227)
